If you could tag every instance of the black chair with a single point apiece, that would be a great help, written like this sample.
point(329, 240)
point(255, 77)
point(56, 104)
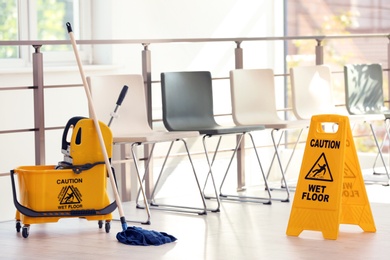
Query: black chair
point(187, 100)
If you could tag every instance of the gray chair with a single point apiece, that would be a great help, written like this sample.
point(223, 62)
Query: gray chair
point(364, 96)
point(187, 100)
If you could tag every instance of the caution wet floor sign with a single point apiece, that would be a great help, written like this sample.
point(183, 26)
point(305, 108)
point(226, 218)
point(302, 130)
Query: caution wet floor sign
point(330, 189)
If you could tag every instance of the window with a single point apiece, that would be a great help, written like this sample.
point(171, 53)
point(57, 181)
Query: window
point(8, 27)
point(51, 17)
point(39, 20)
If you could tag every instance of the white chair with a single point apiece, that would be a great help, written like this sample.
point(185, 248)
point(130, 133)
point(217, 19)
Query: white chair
point(132, 127)
point(254, 103)
point(311, 91)
point(312, 95)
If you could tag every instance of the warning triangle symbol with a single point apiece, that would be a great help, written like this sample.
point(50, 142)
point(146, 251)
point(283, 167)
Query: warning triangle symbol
point(70, 196)
point(348, 172)
point(320, 170)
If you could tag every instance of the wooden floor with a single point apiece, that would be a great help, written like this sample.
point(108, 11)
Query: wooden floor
point(239, 231)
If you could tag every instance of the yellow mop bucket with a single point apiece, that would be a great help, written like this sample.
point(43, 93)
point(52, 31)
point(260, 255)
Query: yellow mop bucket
point(71, 189)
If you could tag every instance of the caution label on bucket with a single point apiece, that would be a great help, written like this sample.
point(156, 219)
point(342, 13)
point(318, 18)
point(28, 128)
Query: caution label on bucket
point(330, 189)
point(70, 198)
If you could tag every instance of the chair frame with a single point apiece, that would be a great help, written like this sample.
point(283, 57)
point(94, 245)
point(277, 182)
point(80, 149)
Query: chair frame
point(225, 196)
point(152, 203)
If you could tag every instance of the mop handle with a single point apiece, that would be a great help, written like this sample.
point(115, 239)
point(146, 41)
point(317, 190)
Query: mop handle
point(118, 103)
point(122, 95)
point(98, 130)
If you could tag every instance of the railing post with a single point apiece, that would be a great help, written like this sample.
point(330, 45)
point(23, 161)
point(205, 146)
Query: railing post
point(239, 56)
point(319, 52)
point(39, 111)
point(147, 75)
point(388, 67)
point(239, 64)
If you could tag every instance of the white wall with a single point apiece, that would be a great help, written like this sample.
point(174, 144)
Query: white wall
point(137, 19)
point(171, 19)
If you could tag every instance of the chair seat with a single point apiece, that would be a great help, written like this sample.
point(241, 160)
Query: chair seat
point(366, 117)
point(282, 124)
point(222, 130)
point(375, 115)
point(155, 137)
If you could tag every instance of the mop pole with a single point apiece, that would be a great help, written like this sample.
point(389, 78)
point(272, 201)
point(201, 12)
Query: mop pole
point(98, 130)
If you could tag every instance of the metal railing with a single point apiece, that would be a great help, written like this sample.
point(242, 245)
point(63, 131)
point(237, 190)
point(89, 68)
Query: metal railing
point(38, 74)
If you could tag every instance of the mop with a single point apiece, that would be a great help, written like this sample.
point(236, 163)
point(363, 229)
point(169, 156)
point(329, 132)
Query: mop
point(129, 235)
point(98, 130)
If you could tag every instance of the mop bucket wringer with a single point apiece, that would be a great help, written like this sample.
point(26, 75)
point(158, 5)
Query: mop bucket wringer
point(75, 188)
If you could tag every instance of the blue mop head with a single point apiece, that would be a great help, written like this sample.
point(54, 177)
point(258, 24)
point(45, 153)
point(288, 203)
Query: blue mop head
point(140, 237)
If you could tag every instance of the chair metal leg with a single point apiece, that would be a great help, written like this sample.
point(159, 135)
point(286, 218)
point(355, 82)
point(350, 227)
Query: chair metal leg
point(160, 174)
point(243, 198)
point(274, 155)
point(378, 155)
point(282, 171)
point(210, 164)
point(140, 182)
point(381, 156)
point(151, 202)
point(146, 166)
point(294, 149)
point(186, 209)
point(386, 136)
point(210, 172)
point(261, 168)
point(284, 184)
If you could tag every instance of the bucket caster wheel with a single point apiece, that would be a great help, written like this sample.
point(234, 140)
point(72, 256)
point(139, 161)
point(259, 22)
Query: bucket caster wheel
point(25, 231)
point(107, 227)
point(18, 226)
point(100, 223)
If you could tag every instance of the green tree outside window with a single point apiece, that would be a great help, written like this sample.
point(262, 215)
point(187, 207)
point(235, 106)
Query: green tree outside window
point(8, 27)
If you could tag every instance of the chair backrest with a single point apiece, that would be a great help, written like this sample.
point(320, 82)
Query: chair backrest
point(187, 100)
point(364, 88)
point(311, 91)
point(253, 96)
point(132, 115)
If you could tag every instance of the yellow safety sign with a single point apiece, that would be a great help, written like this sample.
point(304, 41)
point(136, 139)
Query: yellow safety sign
point(330, 189)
